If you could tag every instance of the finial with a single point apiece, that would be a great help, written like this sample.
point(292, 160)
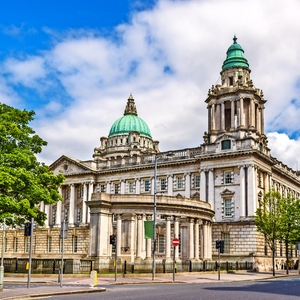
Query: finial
point(234, 39)
point(130, 108)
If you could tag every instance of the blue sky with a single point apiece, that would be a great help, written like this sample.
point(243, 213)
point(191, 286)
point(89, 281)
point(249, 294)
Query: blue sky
point(76, 62)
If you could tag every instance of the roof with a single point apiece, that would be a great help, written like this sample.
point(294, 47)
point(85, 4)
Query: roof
point(235, 56)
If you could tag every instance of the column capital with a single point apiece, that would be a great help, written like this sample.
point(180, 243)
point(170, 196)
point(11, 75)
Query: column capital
point(168, 218)
point(191, 220)
point(176, 218)
point(149, 217)
point(119, 216)
point(139, 216)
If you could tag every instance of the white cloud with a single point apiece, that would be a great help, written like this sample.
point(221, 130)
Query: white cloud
point(189, 38)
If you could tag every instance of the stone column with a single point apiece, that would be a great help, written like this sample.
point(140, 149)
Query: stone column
point(213, 121)
point(58, 210)
point(251, 190)
point(168, 238)
point(47, 212)
point(148, 241)
point(211, 188)
point(262, 120)
point(170, 185)
point(122, 187)
point(209, 240)
point(188, 185)
point(72, 205)
point(205, 240)
point(137, 186)
point(91, 191)
point(252, 113)
point(84, 207)
point(197, 221)
point(209, 118)
point(218, 117)
point(108, 187)
point(242, 191)
point(119, 235)
point(139, 237)
point(259, 121)
point(202, 185)
point(242, 119)
point(191, 238)
point(223, 116)
point(176, 234)
point(232, 125)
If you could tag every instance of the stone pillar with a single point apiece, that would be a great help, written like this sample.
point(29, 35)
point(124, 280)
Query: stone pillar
point(47, 212)
point(108, 187)
point(58, 210)
point(119, 235)
point(242, 119)
point(122, 187)
point(188, 185)
point(148, 242)
point(232, 125)
point(191, 238)
point(202, 185)
point(218, 117)
point(251, 190)
point(139, 236)
point(72, 205)
point(259, 121)
point(84, 207)
point(138, 186)
point(91, 191)
point(209, 118)
point(252, 113)
point(168, 238)
point(262, 122)
point(211, 188)
point(176, 234)
point(213, 115)
point(170, 185)
point(197, 221)
point(242, 191)
point(223, 116)
point(205, 240)
point(209, 240)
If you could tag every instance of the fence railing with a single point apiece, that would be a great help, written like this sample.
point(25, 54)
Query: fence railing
point(48, 266)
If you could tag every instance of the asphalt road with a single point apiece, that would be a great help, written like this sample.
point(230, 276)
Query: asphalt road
point(275, 289)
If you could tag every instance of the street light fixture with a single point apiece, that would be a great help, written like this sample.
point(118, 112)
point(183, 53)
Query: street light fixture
point(2, 256)
point(154, 219)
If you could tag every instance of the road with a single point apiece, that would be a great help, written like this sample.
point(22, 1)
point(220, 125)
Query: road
point(275, 289)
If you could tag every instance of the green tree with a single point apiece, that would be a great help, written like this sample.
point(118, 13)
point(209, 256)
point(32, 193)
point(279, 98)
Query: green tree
point(290, 224)
point(24, 182)
point(267, 220)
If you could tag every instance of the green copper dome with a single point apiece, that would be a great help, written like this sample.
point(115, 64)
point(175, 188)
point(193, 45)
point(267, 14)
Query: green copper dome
point(235, 56)
point(130, 122)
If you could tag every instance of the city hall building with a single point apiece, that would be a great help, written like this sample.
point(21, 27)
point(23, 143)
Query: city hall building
point(203, 194)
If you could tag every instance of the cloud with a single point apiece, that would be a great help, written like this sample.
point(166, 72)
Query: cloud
point(168, 57)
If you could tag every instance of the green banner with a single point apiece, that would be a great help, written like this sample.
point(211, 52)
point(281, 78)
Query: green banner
point(149, 230)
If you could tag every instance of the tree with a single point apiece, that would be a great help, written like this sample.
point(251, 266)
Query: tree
point(24, 182)
point(290, 224)
point(268, 220)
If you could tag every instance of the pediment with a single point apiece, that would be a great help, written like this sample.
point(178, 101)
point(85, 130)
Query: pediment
point(69, 166)
point(227, 192)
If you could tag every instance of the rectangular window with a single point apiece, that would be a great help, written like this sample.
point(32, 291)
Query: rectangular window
point(131, 187)
point(226, 239)
point(147, 185)
point(27, 244)
point(227, 207)
point(197, 181)
point(102, 188)
point(163, 184)
point(79, 215)
point(16, 244)
point(80, 191)
point(161, 244)
point(117, 188)
point(75, 243)
point(49, 244)
point(226, 145)
point(227, 177)
point(179, 183)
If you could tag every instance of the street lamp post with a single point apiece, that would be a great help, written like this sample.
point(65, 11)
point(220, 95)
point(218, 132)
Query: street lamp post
point(2, 256)
point(154, 219)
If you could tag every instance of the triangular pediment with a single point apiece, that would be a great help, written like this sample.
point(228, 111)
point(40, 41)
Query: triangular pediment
point(227, 192)
point(69, 166)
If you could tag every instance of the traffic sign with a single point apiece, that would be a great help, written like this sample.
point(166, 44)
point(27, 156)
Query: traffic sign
point(175, 242)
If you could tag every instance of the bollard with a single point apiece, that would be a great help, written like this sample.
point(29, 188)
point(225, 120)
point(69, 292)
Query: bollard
point(190, 266)
point(94, 278)
point(125, 265)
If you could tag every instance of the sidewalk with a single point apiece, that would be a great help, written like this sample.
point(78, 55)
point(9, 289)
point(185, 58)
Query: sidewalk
point(71, 285)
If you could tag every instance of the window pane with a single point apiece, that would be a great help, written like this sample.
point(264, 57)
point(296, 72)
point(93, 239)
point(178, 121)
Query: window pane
point(226, 145)
point(227, 207)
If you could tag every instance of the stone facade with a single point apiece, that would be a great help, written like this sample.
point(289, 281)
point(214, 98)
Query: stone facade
point(203, 194)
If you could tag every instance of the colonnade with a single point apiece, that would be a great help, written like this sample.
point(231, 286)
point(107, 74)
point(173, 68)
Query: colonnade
point(193, 233)
point(241, 115)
